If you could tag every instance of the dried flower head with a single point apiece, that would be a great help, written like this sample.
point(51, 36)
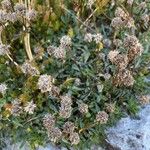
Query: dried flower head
point(65, 41)
point(83, 108)
point(144, 99)
point(110, 107)
point(117, 42)
point(12, 17)
point(20, 9)
point(48, 121)
point(54, 134)
point(135, 51)
point(88, 37)
point(31, 15)
point(65, 109)
point(121, 61)
point(37, 49)
point(27, 68)
point(112, 55)
point(102, 117)
point(145, 18)
point(77, 81)
point(123, 78)
point(107, 76)
point(30, 107)
point(66, 100)
point(6, 4)
point(3, 16)
point(130, 2)
point(3, 88)
point(65, 112)
point(90, 3)
point(97, 37)
point(60, 53)
point(4, 49)
point(74, 138)
point(45, 83)
point(16, 108)
point(55, 91)
point(129, 22)
point(130, 41)
point(68, 127)
point(120, 13)
point(117, 23)
point(51, 49)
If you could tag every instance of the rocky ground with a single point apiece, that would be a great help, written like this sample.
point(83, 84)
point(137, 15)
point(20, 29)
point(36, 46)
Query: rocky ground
point(131, 134)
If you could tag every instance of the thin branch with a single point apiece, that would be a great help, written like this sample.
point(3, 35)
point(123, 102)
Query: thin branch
point(88, 18)
point(31, 120)
point(77, 18)
point(88, 127)
point(11, 59)
point(1, 29)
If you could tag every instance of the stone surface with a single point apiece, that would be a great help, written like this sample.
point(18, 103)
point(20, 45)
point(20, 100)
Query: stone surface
point(131, 134)
point(47, 147)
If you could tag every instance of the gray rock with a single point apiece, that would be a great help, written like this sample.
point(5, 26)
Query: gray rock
point(17, 146)
point(131, 134)
point(46, 147)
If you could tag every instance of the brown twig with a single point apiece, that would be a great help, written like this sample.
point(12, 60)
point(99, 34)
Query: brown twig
point(11, 59)
point(88, 127)
point(77, 18)
point(88, 18)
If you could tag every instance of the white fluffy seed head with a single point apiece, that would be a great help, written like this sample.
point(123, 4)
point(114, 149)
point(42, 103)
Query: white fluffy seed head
point(65, 41)
point(54, 134)
point(3, 88)
point(27, 68)
point(30, 107)
point(112, 55)
point(6, 4)
point(16, 109)
point(4, 49)
point(102, 117)
point(74, 138)
point(31, 15)
point(48, 121)
point(88, 37)
point(60, 53)
point(97, 38)
point(45, 83)
point(20, 9)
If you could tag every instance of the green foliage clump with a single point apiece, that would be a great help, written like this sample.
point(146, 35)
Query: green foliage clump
point(70, 69)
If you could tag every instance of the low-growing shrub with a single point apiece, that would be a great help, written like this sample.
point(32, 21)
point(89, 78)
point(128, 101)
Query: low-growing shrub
point(64, 80)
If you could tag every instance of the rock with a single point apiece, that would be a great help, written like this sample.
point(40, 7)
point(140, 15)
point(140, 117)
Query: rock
point(16, 146)
point(131, 134)
point(48, 147)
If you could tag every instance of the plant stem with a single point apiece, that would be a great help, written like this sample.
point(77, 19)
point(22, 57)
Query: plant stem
point(27, 34)
point(11, 59)
point(89, 126)
point(86, 21)
point(84, 24)
point(1, 29)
